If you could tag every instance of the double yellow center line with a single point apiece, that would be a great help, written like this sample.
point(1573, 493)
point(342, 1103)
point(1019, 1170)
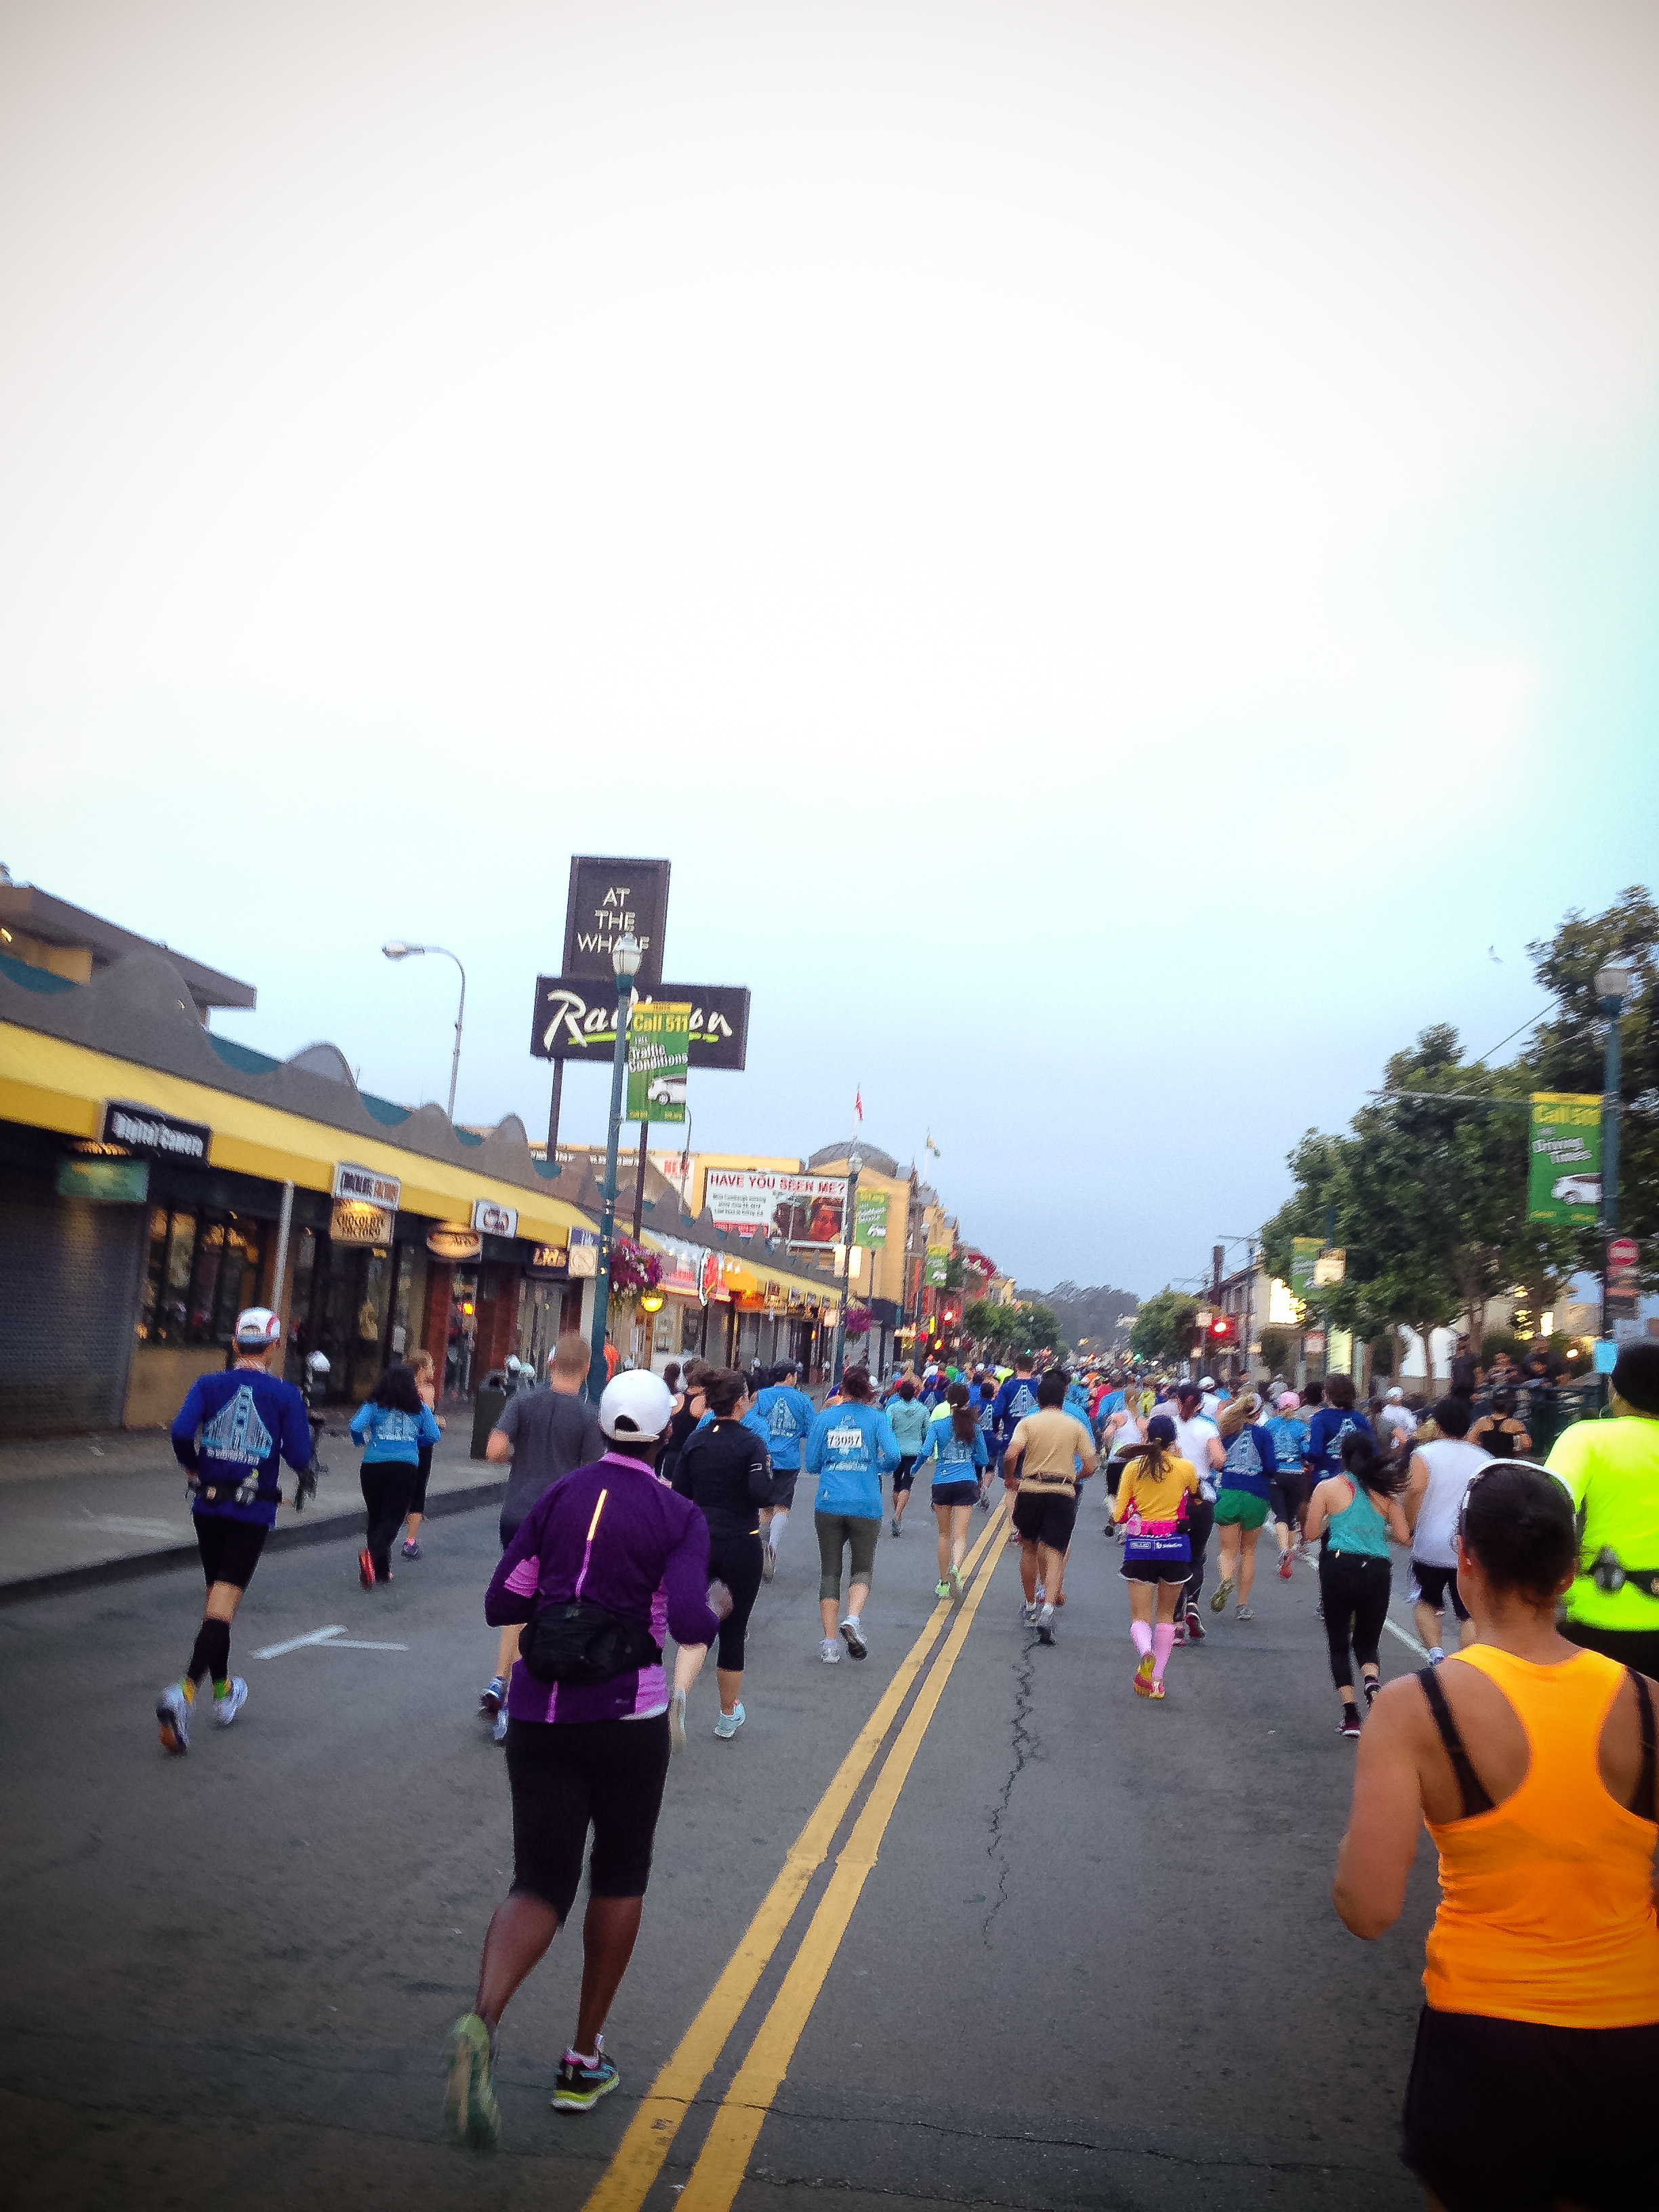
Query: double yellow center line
point(721, 2167)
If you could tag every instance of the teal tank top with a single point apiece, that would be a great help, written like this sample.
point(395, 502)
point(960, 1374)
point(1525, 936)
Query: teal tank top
point(1359, 1529)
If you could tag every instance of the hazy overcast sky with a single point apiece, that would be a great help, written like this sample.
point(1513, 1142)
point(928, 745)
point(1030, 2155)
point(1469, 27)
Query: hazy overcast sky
point(1115, 546)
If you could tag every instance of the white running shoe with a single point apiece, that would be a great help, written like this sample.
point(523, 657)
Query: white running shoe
point(853, 1633)
point(769, 1562)
point(498, 1733)
point(226, 1709)
point(173, 1718)
point(830, 1652)
point(677, 1721)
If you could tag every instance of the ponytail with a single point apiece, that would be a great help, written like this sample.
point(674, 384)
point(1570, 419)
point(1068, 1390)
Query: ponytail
point(963, 1426)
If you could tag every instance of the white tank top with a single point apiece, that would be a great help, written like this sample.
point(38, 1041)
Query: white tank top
point(1451, 1462)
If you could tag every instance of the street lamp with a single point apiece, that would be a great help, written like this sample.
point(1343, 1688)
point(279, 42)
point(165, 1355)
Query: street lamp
point(399, 950)
point(625, 960)
point(854, 1162)
point(1611, 989)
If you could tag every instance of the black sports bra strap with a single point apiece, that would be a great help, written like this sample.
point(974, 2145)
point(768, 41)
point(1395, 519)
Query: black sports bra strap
point(1475, 1796)
point(1646, 1807)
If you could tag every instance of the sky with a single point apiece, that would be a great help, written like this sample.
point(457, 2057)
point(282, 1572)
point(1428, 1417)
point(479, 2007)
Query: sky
point(1115, 548)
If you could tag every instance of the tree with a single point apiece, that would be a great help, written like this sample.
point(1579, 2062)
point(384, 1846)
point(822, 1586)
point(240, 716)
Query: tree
point(1164, 1327)
point(1094, 1314)
point(992, 1326)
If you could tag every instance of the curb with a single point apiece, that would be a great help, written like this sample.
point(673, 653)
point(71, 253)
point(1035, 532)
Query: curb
point(296, 1536)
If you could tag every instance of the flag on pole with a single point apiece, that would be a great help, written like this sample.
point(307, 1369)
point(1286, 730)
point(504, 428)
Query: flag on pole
point(933, 1147)
point(857, 1105)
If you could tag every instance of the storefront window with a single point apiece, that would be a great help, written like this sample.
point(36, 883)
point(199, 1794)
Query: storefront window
point(203, 1269)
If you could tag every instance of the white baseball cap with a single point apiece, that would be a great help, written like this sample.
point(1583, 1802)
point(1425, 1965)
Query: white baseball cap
point(257, 1328)
point(637, 1407)
point(1396, 1396)
point(1206, 1382)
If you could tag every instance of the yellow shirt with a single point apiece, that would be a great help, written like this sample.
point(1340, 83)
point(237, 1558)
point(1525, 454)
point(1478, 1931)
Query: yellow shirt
point(1154, 1498)
point(1612, 1469)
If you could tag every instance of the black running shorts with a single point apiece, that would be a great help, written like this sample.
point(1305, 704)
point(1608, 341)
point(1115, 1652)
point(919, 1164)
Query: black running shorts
point(904, 1474)
point(568, 1775)
point(1045, 1516)
point(784, 1479)
point(1508, 2116)
point(230, 1549)
point(1435, 1585)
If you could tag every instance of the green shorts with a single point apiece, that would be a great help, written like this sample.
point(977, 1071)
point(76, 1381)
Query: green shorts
point(1239, 1509)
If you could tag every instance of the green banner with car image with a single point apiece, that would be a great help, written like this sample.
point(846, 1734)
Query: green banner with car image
point(659, 1057)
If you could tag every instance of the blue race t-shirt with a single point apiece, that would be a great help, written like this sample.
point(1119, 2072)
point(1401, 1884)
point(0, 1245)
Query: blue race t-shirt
point(232, 1430)
point(1325, 1433)
point(1290, 1438)
point(954, 1460)
point(786, 1414)
point(848, 1448)
point(1016, 1398)
point(1251, 1461)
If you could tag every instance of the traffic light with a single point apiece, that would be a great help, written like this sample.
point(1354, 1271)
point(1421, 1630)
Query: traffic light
point(1224, 1329)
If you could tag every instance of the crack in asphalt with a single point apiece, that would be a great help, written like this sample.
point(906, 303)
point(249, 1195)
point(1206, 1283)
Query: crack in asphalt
point(1024, 1745)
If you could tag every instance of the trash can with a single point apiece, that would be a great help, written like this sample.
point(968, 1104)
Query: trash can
point(487, 1406)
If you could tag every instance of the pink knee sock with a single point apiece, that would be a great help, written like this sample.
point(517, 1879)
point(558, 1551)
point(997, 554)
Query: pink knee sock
point(1163, 1645)
point(1140, 1635)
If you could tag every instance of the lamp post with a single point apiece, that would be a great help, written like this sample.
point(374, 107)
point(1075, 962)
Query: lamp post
point(1611, 989)
point(399, 950)
point(625, 959)
point(854, 1162)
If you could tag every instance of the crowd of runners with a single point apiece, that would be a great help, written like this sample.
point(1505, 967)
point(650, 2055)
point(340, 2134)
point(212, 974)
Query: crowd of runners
point(661, 1513)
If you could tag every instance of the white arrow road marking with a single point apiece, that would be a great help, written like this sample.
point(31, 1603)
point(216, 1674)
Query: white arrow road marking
point(326, 1639)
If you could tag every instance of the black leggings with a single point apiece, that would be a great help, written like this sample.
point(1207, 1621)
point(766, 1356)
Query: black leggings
point(423, 1476)
point(387, 1486)
point(1355, 1591)
point(735, 1561)
point(564, 1774)
point(1201, 1519)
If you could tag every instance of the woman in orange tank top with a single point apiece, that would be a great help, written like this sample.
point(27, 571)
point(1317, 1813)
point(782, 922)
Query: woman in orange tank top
point(1533, 1765)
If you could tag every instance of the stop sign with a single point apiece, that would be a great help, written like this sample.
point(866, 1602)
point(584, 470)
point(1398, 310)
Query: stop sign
point(1622, 1252)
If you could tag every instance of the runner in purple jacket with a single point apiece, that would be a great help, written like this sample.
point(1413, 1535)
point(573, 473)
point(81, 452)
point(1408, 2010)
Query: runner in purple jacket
point(579, 1755)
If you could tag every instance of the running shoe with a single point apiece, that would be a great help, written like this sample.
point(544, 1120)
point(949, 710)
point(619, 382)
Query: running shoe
point(830, 1652)
point(1373, 1684)
point(499, 1731)
point(1041, 1593)
point(412, 1548)
point(897, 1528)
point(1223, 1592)
point(173, 1718)
point(1028, 1615)
point(472, 2119)
point(1155, 1689)
point(494, 1696)
point(1046, 1625)
point(1180, 1636)
point(953, 1580)
point(1195, 1629)
point(1350, 1725)
point(226, 1709)
point(941, 1589)
point(579, 2085)
point(769, 1562)
point(1244, 1612)
point(365, 1570)
point(728, 1723)
point(1436, 1654)
point(985, 1501)
point(677, 1721)
point(1143, 1677)
point(853, 1635)
point(1284, 1567)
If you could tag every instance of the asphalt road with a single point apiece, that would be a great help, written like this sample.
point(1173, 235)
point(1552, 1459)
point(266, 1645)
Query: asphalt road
point(1092, 1963)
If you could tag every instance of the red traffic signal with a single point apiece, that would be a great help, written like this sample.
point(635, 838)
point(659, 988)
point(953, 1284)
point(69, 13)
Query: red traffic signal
point(1224, 1329)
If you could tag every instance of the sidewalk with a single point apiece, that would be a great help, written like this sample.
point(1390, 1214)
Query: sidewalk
point(75, 1510)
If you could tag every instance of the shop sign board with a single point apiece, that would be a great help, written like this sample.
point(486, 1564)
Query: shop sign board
point(584, 1255)
point(802, 1209)
point(1305, 1254)
point(575, 1018)
point(353, 1221)
point(935, 1266)
point(367, 1185)
point(550, 1259)
point(870, 1217)
point(159, 1136)
point(611, 898)
point(111, 1183)
point(680, 1262)
point(493, 1220)
point(1563, 1157)
point(454, 1241)
point(658, 1053)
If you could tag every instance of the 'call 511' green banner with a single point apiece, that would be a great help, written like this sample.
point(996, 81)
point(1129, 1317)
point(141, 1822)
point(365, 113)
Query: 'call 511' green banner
point(658, 1054)
point(870, 1218)
point(1563, 1157)
point(1304, 1251)
point(935, 1267)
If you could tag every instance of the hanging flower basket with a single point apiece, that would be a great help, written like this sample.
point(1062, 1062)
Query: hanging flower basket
point(858, 1320)
point(633, 1269)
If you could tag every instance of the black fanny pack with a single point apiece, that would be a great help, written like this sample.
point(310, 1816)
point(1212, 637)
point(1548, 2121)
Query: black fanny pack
point(1609, 1573)
point(572, 1640)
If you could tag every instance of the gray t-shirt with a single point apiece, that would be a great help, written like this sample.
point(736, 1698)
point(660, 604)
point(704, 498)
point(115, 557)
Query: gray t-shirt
point(550, 1433)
